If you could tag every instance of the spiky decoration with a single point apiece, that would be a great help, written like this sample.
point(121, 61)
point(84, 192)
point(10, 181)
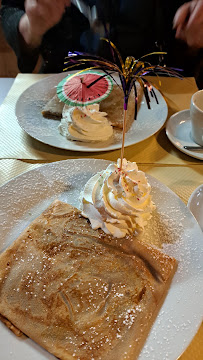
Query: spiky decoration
point(129, 71)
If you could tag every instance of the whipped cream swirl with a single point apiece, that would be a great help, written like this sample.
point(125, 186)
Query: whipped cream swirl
point(86, 124)
point(118, 201)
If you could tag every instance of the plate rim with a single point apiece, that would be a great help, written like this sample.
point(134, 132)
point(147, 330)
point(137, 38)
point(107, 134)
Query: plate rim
point(191, 199)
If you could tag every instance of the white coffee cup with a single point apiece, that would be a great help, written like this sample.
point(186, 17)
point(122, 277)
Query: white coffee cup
point(196, 115)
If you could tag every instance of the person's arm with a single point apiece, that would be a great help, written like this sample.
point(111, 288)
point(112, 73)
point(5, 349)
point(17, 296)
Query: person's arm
point(40, 16)
point(188, 22)
point(25, 23)
point(11, 13)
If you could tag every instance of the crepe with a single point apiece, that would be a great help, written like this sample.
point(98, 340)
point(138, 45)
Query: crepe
point(112, 105)
point(53, 109)
point(80, 293)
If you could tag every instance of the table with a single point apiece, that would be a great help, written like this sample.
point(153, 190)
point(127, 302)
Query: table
point(5, 85)
point(156, 155)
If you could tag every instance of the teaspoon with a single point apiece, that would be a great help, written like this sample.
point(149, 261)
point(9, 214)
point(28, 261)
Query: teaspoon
point(193, 147)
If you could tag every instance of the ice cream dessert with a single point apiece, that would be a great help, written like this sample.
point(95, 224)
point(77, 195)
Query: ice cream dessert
point(86, 124)
point(118, 201)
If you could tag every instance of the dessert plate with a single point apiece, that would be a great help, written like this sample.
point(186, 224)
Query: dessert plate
point(195, 204)
point(33, 100)
point(178, 130)
point(26, 196)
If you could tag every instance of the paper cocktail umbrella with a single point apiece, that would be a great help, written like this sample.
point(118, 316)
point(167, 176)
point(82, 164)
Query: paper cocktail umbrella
point(84, 88)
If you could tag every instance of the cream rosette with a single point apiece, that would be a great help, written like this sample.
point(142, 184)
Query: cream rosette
point(118, 201)
point(86, 124)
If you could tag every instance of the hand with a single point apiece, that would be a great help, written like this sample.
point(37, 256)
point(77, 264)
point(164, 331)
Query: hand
point(39, 17)
point(188, 22)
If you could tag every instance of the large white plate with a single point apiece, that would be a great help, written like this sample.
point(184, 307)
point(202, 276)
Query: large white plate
point(26, 196)
point(32, 101)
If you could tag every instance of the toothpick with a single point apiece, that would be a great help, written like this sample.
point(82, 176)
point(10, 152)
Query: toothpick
point(123, 138)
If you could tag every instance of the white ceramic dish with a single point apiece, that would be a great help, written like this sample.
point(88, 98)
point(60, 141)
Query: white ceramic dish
point(195, 205)
point(26, 196)
point(178, 130)
point(32, 101)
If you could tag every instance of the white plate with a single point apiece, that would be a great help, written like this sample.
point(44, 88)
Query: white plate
point(32, 101)
point(195, 204)
point(178, 130)
point(26, 196)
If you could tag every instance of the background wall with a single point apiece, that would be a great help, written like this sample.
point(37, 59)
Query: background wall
point(8, 63)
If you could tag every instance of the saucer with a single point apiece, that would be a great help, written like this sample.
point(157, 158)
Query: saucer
point(178, 130)
point(195, 205)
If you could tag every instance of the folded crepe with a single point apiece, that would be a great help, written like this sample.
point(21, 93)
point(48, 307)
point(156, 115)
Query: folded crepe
point(112, 105)
point(53, 109)
point(79, 293)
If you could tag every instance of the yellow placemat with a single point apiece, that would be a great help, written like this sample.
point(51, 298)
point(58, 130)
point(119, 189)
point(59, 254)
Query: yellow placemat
point(181, 180)
point(9, 168)
point(195, 350)
point(16, 144)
